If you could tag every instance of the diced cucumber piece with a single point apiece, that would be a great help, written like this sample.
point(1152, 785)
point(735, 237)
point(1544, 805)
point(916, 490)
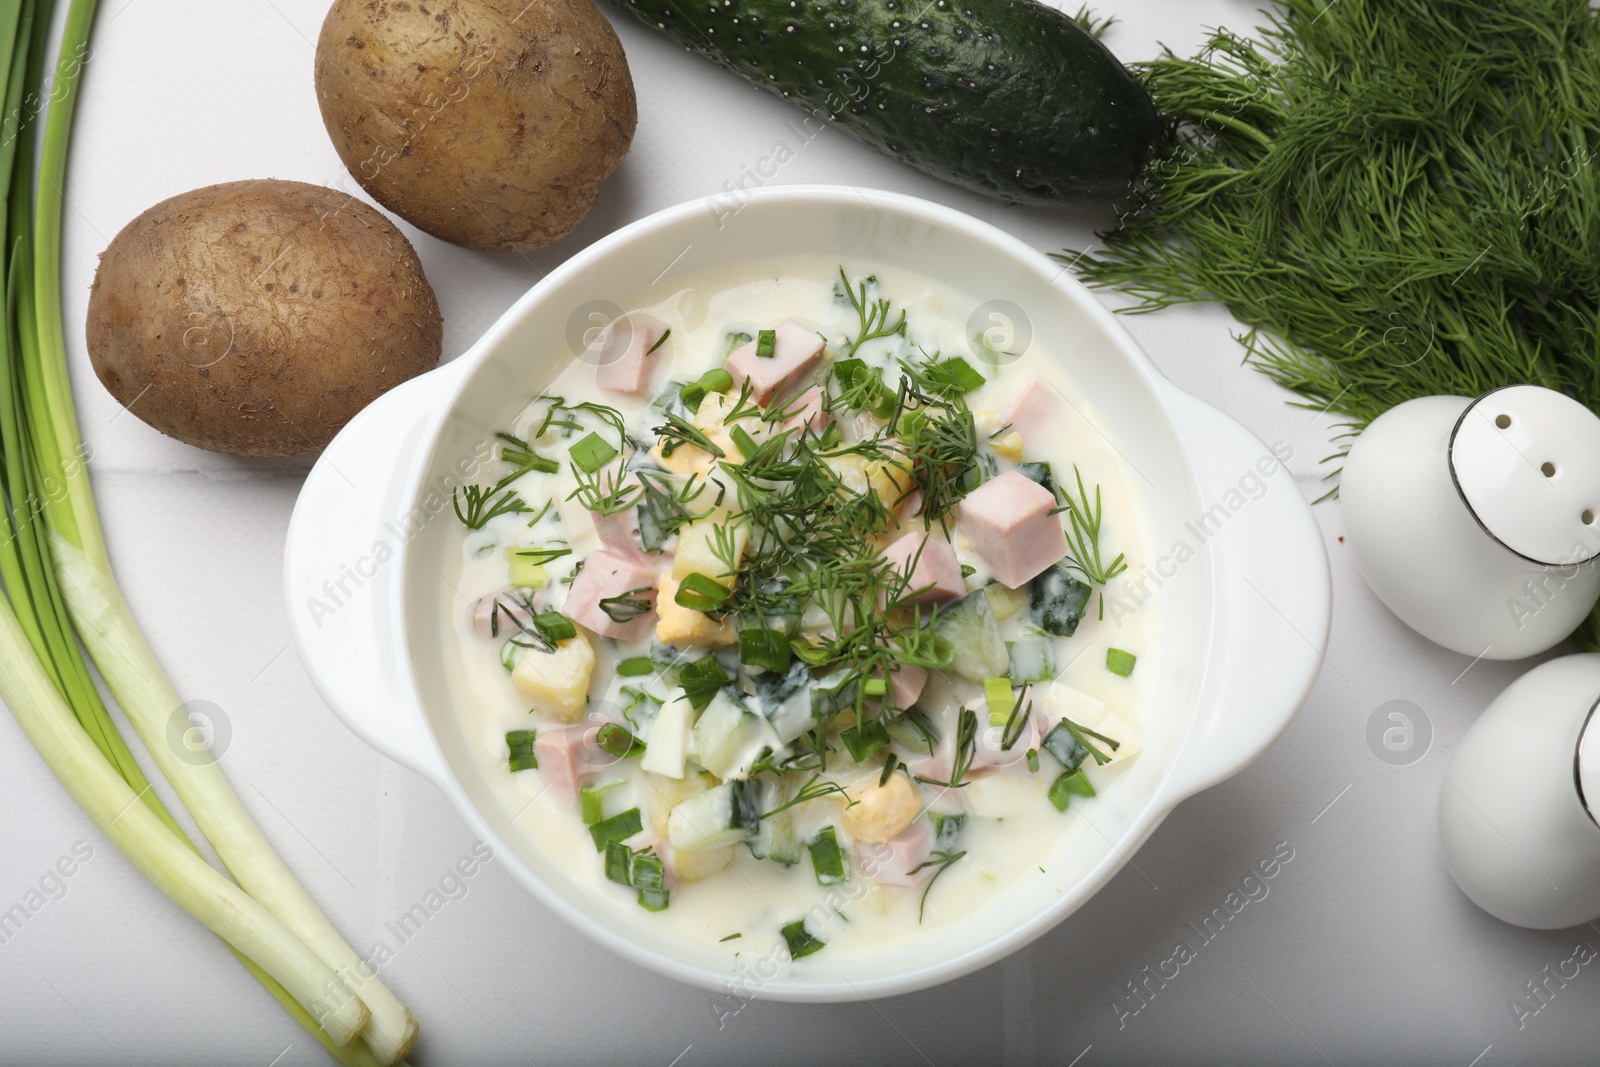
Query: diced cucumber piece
point(1064, 745)
point(617, 828)
point(832, 692)
point(974, 635)
point(1033, 659)
point(801, 942)
point(721, 816)
point(1005, 601)
point(786, 701)
point(520, 745)
point(1038, 473)
point(668, 740)
point(1120, 662)
point(776, 840)
point(1056, 601)
point(914, 730)
point(946, 829)
point(728, 737)
point(826, 858)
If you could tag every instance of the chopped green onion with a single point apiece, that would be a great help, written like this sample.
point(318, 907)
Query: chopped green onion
point(1120, 662)
point(715, 380)
point(554, 626)
point(509, 653)
point(636, 667)
point(997, 694)
point(618, 741)
point(1067, 786)
point(1033, 761)
point(592, 452)
point(864, 739)
point(701, 680)
point(699, 592)
point(826, 858)
point(766, 343)
point(954, 375)
point(617, 828)
point(764, 648)
point(654, 899)
point(591, 800)
point(801, 942)
point(619, 861)
point(520, 743)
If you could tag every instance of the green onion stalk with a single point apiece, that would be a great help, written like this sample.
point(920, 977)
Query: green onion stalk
point(60, 590)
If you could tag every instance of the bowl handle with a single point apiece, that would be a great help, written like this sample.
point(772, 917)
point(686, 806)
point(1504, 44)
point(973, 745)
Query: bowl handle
point(1271, 598)
point(342, 572)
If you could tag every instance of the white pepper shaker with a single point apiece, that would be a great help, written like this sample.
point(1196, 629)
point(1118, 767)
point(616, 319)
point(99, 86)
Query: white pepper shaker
point(1475, 521)
point(1517, 807)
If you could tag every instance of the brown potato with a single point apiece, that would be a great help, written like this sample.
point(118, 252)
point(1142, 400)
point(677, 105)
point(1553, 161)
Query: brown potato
point(489, 123)
point(256, 317)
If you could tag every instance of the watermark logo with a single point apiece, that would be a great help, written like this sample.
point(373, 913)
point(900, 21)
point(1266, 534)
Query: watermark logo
point(1001, 332)
point(590, 328)
point(1399, 733)
point(199, 733)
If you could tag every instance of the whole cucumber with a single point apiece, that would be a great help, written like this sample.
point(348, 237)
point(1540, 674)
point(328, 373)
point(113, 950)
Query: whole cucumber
point(1007, 97)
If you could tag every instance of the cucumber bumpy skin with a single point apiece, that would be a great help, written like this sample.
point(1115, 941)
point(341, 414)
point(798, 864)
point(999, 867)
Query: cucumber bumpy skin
point(1007, 97)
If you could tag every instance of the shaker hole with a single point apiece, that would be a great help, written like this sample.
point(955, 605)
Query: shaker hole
point(1548, 468)
point(1587, 516)
point(1503, 421)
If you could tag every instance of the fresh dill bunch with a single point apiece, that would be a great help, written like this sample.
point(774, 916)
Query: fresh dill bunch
point(1396, 198)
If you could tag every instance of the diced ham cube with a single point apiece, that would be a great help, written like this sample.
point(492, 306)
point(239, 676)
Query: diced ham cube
point(795, 352)
point(905, 684)
point(809, 414)
point(1009, 522)
point(936, 576)
point(619, 531)
point(501, 615)
point(1034, 410)
point(612, 576)
point(622, 363)
point(566, 757)
point(896, 861)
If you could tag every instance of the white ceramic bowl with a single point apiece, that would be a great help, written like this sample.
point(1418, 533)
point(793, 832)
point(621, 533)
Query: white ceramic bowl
point(1244, 603)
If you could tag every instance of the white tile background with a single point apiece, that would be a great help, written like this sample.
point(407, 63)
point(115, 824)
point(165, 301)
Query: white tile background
point(1363, 952)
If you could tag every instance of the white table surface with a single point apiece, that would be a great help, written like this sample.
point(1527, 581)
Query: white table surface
point(1362, 952)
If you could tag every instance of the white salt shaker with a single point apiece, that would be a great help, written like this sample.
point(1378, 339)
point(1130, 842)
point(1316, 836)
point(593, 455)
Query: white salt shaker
point(1475, 520)
point(1517, 808)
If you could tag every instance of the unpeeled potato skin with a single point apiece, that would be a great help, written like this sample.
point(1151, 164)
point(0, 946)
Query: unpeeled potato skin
point(491, 124)
point(256, 318)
